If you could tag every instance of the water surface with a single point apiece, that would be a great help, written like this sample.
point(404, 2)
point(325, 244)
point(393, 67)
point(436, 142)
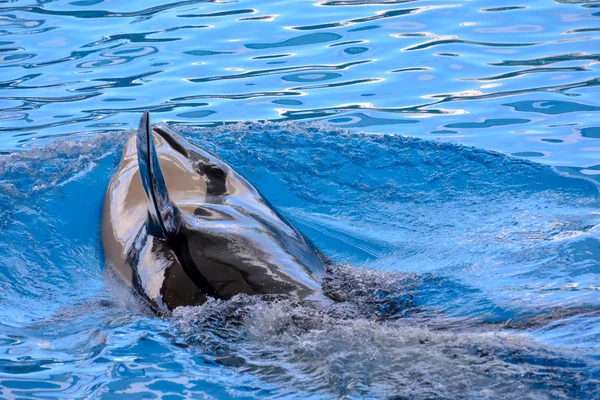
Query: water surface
point(467, 272)
point(464, 274)
point(517, 77)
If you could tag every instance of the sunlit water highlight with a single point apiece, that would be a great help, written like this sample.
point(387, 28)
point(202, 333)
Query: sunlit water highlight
point(517, 77)
point(465, 273)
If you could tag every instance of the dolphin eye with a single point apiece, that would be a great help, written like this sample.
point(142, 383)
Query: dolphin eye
point(216, 178)
point(211, 171)
point(215, 172)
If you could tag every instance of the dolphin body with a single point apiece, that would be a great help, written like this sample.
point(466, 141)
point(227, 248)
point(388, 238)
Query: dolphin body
point(180, 225)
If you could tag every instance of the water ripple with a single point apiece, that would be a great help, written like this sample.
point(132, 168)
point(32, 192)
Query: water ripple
point(515, 74)
point(313, 38)
point(477, 95)
point(101, 14)
point(379, 16)
point(219, 13)
point(444, 40)
point(337, 84)
point(548, 60)
point(236, 60)
point(276, 71)
point(127, 81)
point(238, 96)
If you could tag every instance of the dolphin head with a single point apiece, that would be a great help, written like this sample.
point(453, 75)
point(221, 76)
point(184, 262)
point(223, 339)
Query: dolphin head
point(221, 232)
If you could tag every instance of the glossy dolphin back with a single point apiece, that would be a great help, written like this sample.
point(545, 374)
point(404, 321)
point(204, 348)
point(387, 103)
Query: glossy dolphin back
point(162, 212)
point(212, 234)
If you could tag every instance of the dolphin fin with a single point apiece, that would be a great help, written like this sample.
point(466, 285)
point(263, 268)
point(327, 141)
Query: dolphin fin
point(163, 214)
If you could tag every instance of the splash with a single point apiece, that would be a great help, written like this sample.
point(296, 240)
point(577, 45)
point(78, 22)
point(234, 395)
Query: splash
point(458, 270)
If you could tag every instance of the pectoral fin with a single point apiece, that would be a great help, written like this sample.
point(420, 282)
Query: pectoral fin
point(163, 214)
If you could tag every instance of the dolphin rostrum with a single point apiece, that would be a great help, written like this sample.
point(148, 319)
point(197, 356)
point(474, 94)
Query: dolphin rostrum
point(180, 225)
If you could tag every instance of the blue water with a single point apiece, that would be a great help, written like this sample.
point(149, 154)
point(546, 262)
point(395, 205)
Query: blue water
point(464, 220)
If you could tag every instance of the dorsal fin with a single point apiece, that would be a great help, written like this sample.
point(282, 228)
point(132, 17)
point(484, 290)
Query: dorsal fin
point(163, 214)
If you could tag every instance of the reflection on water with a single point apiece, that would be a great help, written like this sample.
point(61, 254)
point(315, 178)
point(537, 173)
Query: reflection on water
point(518, 78)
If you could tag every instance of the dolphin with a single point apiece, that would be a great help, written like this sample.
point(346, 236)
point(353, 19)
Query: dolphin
point(180, 225)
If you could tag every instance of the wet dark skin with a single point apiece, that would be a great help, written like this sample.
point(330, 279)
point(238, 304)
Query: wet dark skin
point(205, 231)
